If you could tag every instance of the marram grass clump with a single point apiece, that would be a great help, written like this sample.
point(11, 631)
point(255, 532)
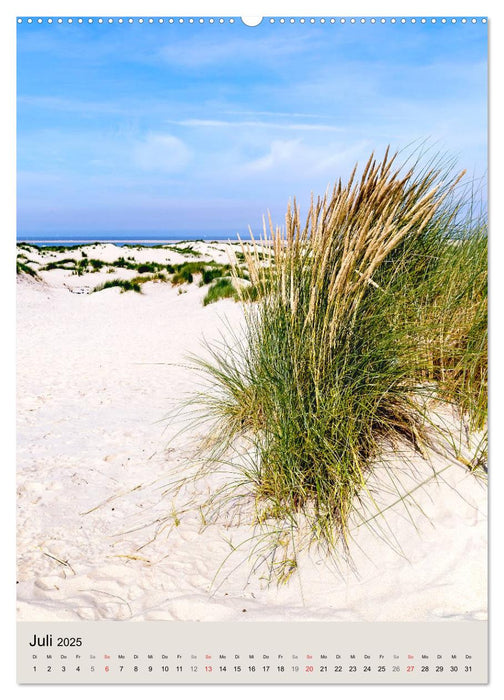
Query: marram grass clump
point(368, 301)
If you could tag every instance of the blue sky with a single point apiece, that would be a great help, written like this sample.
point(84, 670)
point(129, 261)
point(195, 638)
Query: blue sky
point(190, 129)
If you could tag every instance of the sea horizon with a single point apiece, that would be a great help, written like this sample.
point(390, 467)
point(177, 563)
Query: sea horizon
point(145, 240)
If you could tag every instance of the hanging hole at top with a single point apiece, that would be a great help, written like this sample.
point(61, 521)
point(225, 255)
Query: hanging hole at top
point(251, 21)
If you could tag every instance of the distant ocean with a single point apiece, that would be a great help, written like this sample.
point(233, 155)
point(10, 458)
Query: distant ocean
point(143, 240)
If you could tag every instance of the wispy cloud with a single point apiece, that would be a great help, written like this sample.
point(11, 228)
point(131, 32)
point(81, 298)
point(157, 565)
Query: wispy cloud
point(219, 123)
point(292, 115)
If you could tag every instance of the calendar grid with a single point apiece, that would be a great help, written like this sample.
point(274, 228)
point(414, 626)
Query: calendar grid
point(268, 652)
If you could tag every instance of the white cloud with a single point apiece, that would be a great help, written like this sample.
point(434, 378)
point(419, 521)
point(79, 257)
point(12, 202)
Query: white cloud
point(286, 157)
point(280, 152)
point(161, 152)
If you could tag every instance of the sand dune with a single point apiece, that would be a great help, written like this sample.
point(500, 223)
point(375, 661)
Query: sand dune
point(99, 376)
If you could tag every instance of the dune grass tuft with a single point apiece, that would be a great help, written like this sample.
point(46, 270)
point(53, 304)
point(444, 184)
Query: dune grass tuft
point(184, 272)
point(222, 288)
point(185, 250)
point(134, 284)
point(125, 285)
point(23, 267)
point(65, 264)
point(214, 273)
point(377, 296)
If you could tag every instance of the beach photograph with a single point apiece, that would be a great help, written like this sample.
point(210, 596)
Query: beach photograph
point(251, 336)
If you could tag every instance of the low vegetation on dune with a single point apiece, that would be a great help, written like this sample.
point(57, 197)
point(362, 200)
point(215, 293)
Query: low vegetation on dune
point(23, 267)
point(124, 285)
point(215, 272)
point(132, 285)
point(131, 264)
point(65, 264)
point(375, 303)
point(184, 250)
point(184, 272)
point(206, 272)
point(222, 288)
point(209, 272)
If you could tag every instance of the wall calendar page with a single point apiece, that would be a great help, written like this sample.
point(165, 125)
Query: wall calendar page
point(251, 360)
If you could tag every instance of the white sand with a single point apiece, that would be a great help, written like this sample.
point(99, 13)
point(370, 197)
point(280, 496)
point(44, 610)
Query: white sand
point(97, 373)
